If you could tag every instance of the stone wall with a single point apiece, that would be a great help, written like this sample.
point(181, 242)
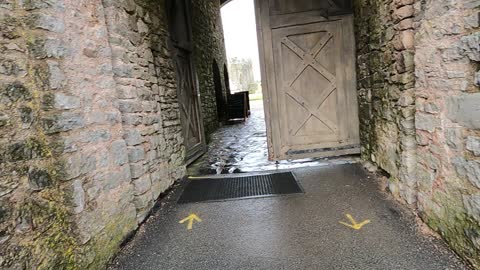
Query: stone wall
point(36, 110)
point(209, 45)
point(447, 64)
point(386, 81)
point(147, 100)
point(89, 124)
point(418, 80)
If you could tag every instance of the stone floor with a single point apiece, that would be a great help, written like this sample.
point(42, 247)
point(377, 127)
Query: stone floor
point(299, 231)
point(242, 147)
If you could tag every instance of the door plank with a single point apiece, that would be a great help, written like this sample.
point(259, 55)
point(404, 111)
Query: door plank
point(308, 77)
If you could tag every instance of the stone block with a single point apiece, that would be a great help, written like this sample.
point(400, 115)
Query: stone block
point(404, 12)
point(472, 205)
point(48, 22)
point(78, 196)
point(471, 46)
point(118, 152)
point(473, 20)
point(473, 144)
point(99, 135)
point(142, 184)
point(38, 178)
point(471, 4)
point(63, 122)
point(454, 138)
point(113, 179)
point(469, 169)
point(136, 154)
point(426, 122)
point(133, 137)
point(103, 118)
point(63, 101)
point(129, 106)
point(465, 109)
point(407, 38)
point(143, 201)
point(57, 78)
point(137, 170)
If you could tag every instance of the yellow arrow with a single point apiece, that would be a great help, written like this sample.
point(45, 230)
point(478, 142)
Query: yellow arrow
point(354, 225)
point(190, 220)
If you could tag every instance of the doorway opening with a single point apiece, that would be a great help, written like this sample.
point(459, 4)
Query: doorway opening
point(219, 98)
point(241, 145)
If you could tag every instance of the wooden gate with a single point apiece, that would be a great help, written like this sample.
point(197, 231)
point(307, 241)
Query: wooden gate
point(308, 77)
point(187, 84)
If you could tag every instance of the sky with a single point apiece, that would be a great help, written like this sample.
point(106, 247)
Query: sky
point(238, 19)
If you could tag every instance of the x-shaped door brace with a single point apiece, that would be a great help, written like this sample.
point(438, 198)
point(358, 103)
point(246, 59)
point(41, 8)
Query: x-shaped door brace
point(308, 59)
point(188, 111)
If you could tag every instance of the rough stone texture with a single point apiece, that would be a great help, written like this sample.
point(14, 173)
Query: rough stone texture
point(446, 61)
point(209, 45)
point(89, 124)
point(418, 76)
point(147, 97)
point(36, 224)
point(385, 71)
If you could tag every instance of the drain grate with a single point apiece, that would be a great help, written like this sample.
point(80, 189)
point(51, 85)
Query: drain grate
point(215, 189)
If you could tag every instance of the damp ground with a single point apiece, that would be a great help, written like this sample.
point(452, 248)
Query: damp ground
point(241, 147)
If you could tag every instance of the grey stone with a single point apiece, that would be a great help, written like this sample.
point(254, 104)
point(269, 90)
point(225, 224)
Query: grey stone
point(40, 48)
point(104, 118)
point(14, 92)
point(473, 144)
point(426, 122)
point(50, 23)
point(63, 122)
point(63, 101)
point(471, 3)
point(136, 154)
point(132, 119)
point(57, 78)
point(112, 180)
point(454, 138)
point(469, 169)
point(473, 20)
point(465, 110)
point(54, 48)
point(26, 116)
point(431, 107)
point(123, 70)
point(129, 106)
point(38, 179)
point(472, 205)
point(95, 136)
point(78, 197)
point(142, 202)
point(4, 119)
point(476, 78)
point(142, 184)
point(471, 46)
point(118, 151)
point(137, 170)
point(133, 137)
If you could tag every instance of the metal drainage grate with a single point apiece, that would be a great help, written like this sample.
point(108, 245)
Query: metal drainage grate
point(215, 189)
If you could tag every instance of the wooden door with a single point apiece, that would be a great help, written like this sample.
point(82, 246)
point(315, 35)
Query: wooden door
point(308, 77)
point(187, 84)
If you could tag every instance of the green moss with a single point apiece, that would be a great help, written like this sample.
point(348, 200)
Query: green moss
point(104, 246)
point(455, 226)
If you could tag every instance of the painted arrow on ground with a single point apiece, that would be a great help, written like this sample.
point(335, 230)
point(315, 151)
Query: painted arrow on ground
point(354, 225)
point(190, 219)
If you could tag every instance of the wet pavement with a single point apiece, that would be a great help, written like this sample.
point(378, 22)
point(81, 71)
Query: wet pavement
point(242, 147)
point(301, 231)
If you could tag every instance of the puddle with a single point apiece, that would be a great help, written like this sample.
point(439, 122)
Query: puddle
point(242, 148)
